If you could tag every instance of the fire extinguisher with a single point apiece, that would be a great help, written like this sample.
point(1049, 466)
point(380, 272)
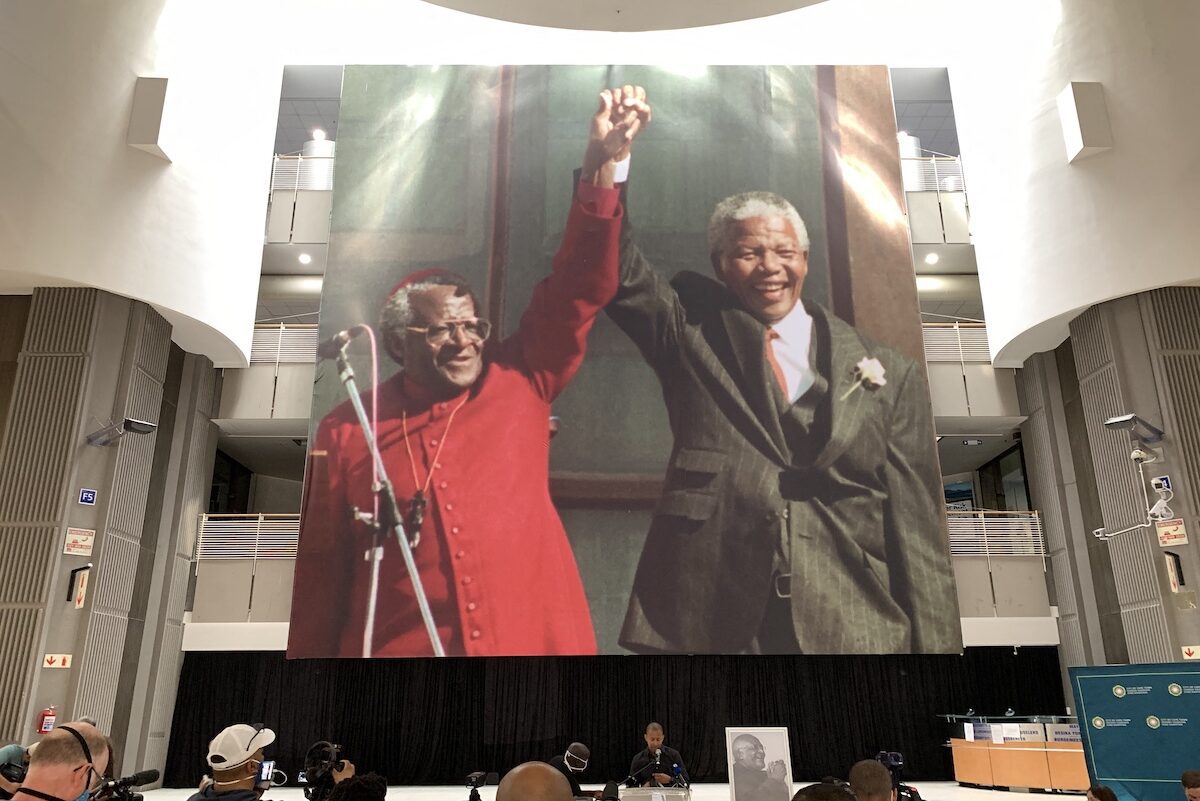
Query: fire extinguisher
point(46, 719)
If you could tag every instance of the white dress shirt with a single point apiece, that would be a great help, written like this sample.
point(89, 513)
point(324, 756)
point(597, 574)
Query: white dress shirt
point(791, 350)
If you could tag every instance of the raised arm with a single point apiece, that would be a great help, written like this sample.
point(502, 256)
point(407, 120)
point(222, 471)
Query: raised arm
point(554, 328)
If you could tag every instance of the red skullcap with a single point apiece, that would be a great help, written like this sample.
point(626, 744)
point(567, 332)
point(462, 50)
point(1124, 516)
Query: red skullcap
point(422, 275)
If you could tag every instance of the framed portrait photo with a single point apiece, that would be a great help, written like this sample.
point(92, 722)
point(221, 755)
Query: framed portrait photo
point(760, 763)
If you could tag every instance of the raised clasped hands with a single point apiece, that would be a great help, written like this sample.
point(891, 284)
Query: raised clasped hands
point(622, 114)
point(777, 770)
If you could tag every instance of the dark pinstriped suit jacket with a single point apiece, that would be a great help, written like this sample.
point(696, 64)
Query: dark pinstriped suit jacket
point(869, 559)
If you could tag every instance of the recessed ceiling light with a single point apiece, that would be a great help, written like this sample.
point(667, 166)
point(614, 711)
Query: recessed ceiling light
point(972, 442)
point(318, 135)
point(305, 258)
point(932, 258)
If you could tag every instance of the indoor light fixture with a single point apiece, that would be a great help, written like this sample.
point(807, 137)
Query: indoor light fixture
point(318, 135)
point(931, 258)
point(305, 258)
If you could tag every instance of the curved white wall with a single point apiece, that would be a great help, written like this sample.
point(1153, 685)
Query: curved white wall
point(78, 206)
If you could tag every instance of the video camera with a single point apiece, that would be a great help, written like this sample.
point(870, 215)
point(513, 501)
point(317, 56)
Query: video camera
point(478, 779)
point(122, 789)
point(14, 774)
point(894, 762)
point(322, 759)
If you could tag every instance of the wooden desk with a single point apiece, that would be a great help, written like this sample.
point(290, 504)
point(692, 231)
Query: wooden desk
point(1036, 765)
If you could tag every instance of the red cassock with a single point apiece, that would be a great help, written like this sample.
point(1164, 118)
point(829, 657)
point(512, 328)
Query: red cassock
point(494, 559)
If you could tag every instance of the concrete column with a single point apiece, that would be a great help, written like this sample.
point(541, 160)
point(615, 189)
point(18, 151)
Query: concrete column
point(87, 359)
point(1141, 355)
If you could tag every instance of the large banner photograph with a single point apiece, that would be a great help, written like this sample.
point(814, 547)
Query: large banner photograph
point(620, 359)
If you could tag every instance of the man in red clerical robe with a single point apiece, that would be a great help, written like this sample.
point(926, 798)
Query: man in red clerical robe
point(463, 431)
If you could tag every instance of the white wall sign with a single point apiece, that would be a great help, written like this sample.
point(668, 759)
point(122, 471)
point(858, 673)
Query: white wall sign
point(56, 661)
point(1171, 532)
point(79, 541)
point(81, 588)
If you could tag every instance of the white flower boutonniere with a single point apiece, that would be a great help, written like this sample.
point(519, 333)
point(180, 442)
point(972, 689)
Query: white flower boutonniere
point(868, 373)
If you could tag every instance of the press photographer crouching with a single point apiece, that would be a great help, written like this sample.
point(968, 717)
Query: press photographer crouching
point(239, 769)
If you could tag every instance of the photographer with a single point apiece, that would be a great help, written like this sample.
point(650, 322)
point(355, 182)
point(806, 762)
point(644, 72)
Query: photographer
point(236, 757)
point(14, 760)
point(324, 767)
point(69, 763)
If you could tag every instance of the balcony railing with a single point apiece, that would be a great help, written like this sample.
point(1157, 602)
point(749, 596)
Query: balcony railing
point(932, 174)
point(282, 344)
point(295, 172)
point(248, 537)
point(993, 534)
point(984, 533)
point(956, 342)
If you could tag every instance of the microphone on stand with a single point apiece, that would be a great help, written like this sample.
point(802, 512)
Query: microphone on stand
point(632, 779)
point(330, 348)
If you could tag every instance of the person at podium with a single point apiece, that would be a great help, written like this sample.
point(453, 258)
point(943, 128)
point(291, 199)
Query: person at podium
point(657, 765)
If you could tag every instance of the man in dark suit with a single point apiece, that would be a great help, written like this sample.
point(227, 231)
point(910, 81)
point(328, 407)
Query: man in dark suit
point(657, 765)
point(802, 507)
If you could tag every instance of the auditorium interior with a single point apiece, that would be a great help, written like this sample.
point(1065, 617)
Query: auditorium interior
point(168, 177)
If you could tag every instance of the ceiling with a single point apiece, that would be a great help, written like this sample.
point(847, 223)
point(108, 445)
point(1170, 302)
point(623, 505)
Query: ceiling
point(269, 456)
point(956, 457)
point(924, 108)
point(621, 15)
point(309, 99)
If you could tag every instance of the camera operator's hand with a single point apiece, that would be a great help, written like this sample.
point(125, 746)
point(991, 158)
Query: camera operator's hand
point(346, 772)
point(9, 787)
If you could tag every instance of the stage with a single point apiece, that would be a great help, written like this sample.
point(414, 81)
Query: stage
point(930, 791)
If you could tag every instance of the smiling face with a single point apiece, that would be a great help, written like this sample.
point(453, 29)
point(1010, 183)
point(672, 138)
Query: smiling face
point(763, 265)
point(748, 752)
point(448, 367)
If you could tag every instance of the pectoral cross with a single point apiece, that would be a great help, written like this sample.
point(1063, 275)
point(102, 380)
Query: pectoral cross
point(416, 513)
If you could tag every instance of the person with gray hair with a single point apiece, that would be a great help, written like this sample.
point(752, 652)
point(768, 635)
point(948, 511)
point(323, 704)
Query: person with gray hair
point(464, 432)
point(70, 762)
point(802, 509)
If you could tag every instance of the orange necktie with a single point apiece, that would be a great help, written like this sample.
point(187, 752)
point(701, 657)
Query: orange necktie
point(769, 349)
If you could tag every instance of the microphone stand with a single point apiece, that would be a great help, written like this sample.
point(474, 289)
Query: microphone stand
point(631, 779)
point(389, 521)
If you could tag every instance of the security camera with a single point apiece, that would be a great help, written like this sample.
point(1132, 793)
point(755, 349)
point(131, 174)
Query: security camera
point(1159, 485)
point(1138, 428)
point(139, 426)
point(1160, 511)
point(114, 431)
point(1100, 533)
point(1140, 456)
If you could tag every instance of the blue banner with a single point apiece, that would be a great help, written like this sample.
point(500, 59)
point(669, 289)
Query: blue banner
point(1140, 726)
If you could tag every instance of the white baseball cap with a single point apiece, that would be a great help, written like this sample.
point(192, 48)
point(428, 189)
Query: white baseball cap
point(236, 744)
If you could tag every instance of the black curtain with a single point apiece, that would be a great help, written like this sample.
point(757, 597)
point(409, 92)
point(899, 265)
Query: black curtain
point(425, 721)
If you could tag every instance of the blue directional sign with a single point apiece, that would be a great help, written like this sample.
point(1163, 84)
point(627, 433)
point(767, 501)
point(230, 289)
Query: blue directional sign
point(87, 497)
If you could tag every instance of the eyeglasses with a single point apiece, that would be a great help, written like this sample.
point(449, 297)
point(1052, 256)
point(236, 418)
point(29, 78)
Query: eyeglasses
point(475, 328)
